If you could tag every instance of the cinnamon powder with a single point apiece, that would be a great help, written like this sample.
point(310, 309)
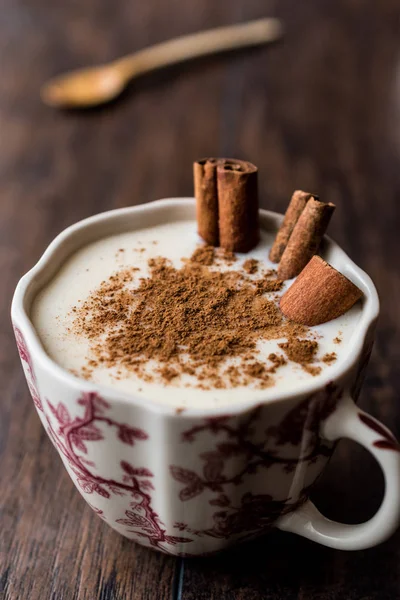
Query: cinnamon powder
point(329, 358)
point(250, 266)
point(189, 320)
point(302, 352)
point(203, 255)
point(226, 256)
point(277, 361)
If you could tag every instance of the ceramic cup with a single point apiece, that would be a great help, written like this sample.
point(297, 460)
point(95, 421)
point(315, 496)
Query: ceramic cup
point(194, 482)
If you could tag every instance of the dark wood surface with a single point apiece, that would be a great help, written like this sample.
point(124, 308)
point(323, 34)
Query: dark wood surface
point(320, 111)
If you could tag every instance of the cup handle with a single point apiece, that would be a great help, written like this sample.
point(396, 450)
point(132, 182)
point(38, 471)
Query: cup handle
point(350, 422)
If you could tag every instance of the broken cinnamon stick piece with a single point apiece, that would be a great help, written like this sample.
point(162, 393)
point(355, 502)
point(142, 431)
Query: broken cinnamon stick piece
point(319, 294)
point(205, 191)
point(296, 206)
point(306, 238)
point(237, 186)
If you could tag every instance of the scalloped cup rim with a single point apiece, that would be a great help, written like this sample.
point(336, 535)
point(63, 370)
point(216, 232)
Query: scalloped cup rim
point(54, 255)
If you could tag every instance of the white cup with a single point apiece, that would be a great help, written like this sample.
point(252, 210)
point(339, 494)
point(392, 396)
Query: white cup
point(195, 482)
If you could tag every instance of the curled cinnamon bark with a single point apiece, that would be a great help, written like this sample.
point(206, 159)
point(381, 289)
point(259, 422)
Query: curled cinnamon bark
point(237, 187)
point(205, 191)
point(306, 238)
point(296, 206)
point(319, 294)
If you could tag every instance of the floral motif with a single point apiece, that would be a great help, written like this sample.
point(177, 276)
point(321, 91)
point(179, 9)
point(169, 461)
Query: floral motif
point(255, 512)
point(30, 373)
point(387, 441)
point(70, 435)
point(240, 516)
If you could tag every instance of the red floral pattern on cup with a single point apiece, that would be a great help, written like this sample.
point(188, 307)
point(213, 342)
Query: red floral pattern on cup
point(253, 514)
point(28, 367)
point(70, 435)
point(256, 512)
point(387, 440)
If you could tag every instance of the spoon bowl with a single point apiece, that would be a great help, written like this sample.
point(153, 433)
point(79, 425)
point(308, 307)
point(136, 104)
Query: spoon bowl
point(84, 87)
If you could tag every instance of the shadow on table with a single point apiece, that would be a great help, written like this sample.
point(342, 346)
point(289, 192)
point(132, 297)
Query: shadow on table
point(285, 567)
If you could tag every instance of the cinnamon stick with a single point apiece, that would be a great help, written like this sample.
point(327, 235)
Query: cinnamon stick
point(306, 238)
point(237, 187)
point(296, 206)
point(319, 294)
point(205, 191)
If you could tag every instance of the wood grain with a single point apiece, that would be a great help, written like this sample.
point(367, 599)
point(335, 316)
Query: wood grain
point(320, 112)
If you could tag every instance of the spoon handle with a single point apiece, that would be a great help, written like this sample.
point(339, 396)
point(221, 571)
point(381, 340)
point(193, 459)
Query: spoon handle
point(204, 43)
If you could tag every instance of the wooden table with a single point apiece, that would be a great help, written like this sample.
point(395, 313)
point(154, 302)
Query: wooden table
point(320, 111)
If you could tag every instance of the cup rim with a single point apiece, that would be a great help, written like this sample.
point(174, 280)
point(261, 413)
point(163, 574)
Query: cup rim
point(21, 319)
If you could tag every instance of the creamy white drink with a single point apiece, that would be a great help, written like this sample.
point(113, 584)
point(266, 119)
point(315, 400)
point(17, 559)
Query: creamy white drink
point(55, 309)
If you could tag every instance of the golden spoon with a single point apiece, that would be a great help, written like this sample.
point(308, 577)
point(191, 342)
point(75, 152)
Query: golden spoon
point(95, 85)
